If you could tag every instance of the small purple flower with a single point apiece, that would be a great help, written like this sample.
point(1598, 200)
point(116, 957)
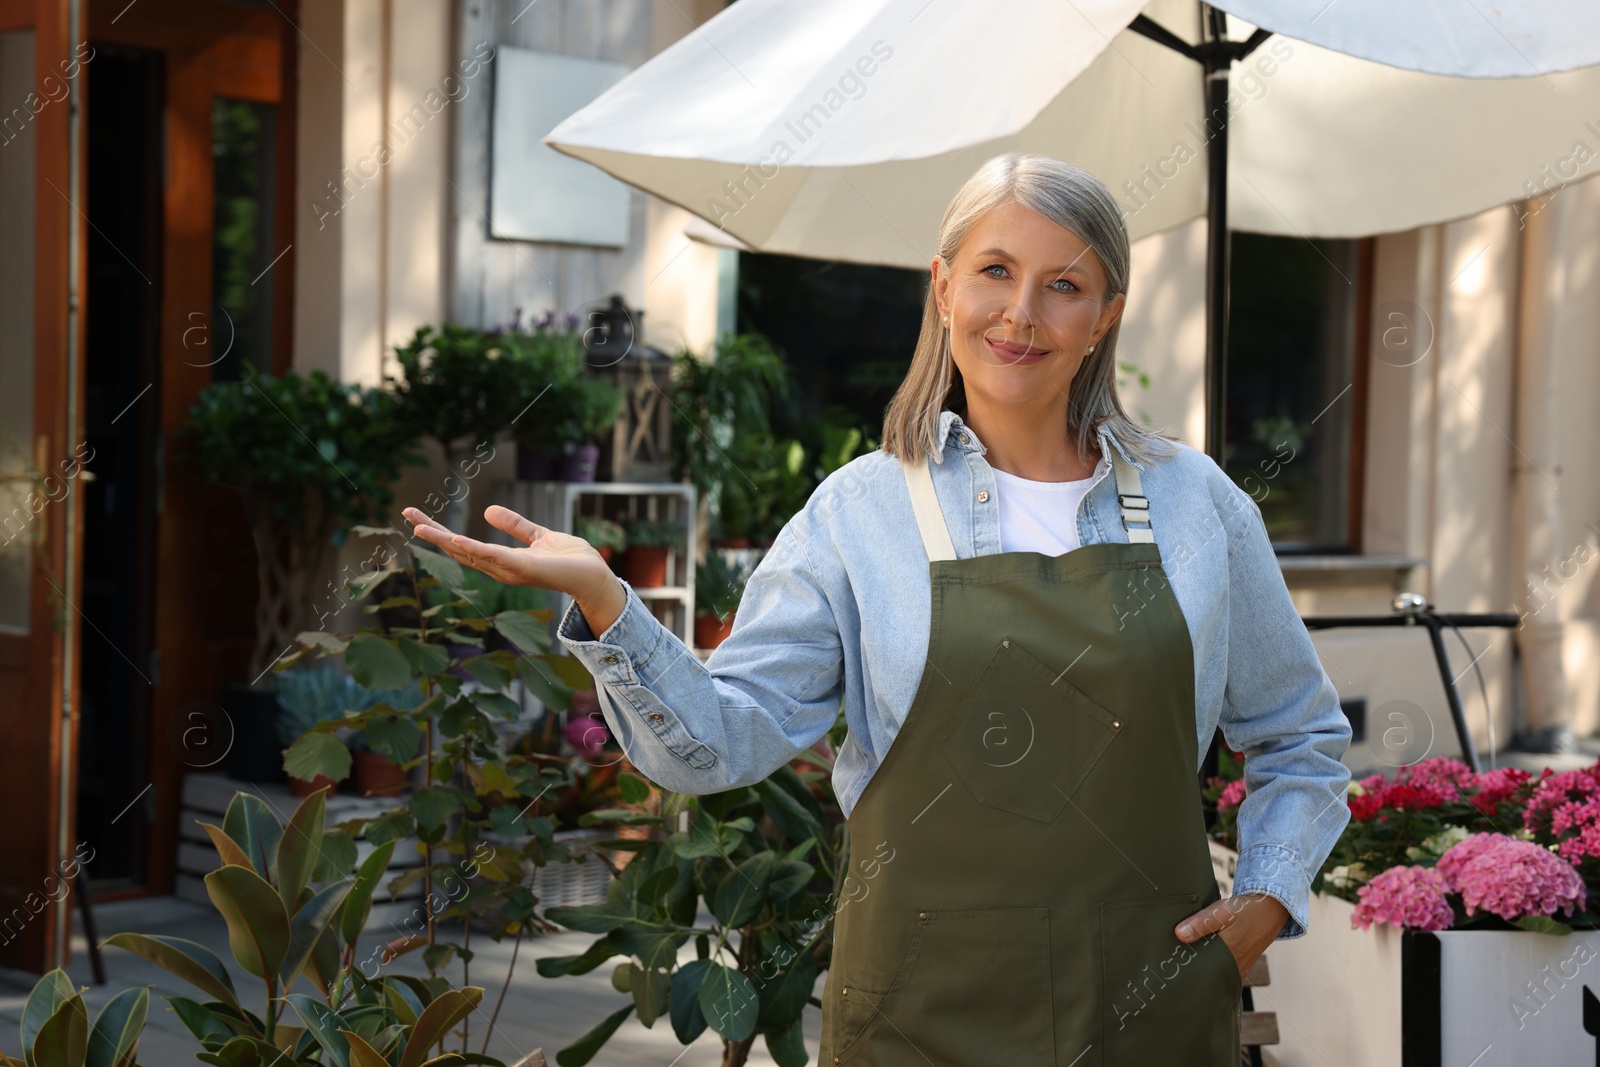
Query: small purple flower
point(587, 734)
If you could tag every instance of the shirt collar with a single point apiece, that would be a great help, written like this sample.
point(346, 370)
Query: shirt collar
point(955, 433)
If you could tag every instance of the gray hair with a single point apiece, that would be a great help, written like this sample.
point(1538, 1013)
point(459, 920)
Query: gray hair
point(1079, 203)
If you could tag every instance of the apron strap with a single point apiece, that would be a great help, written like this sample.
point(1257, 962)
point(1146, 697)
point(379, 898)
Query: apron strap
point(925, 505)
point(936, 532)
point(1130, 494)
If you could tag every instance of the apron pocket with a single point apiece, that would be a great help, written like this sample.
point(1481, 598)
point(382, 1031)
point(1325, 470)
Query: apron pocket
point(974, 988)
point(1022, 739)
point(1166, 1000)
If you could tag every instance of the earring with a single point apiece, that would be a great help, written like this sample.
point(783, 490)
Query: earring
point(1091, 348)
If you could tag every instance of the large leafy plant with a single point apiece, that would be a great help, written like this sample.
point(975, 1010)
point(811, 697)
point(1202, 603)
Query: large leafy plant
point(476, 819)
point(312, 458)
point(762, 860)
point(295, 904)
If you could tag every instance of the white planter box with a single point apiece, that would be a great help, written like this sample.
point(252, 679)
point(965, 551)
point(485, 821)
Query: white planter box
point(1460, 998)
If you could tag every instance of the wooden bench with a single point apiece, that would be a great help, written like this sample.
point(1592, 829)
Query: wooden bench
point(1256, 1028)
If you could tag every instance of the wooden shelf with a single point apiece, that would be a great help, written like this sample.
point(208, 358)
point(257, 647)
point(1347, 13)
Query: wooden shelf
point(557, 506)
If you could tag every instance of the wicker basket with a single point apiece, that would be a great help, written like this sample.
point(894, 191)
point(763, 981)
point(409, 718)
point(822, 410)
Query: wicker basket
point(559, 884)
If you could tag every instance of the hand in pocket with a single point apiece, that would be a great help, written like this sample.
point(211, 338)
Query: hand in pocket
point(1247, 924)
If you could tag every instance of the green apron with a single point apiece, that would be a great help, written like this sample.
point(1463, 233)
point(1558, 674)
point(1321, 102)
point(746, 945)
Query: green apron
point(1019, 859)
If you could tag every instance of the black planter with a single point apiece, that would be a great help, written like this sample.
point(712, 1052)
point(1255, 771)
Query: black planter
point(256, 754)
point(535, 466)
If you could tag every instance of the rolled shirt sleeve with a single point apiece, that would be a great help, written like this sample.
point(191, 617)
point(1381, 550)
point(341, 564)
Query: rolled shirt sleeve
point(767, 693)
point(1282, 711)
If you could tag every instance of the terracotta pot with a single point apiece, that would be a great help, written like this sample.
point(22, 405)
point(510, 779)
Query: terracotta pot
point(629, 833)
point(710, 631)
point(378, 776)
point(302, 788)
point(645, 567)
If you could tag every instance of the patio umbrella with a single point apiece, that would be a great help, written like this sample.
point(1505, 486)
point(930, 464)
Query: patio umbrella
point(839, 129)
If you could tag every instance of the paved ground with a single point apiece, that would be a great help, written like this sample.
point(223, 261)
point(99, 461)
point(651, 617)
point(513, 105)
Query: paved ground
point(539, 1012)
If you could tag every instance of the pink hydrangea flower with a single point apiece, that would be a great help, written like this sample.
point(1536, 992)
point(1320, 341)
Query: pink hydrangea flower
point(1511, 878)
point(1554, 790)
point(1577, 823)
point(1407, 897)
point(1232, 795)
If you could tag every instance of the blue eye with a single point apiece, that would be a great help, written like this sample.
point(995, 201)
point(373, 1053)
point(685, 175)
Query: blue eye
point(993, 266)
point(1063, 281)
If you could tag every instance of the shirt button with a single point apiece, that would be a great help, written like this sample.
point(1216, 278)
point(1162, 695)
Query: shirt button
point(611, 659)
point(656, 716)
point(965, 439)
point(983, 496)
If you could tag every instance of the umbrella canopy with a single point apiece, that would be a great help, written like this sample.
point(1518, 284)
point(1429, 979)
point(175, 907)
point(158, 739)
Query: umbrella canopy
point(839, 129)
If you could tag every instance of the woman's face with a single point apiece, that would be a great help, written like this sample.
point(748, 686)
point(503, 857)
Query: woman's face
point(1025, 299)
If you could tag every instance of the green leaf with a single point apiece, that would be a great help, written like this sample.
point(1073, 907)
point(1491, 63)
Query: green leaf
point(115, 1036)
point(358, 905)
point(63, 1040)
point(787, 1046)
point(336, 857)
point(588, 960)
point(688, 1021)
point(438, 1019)
point(227, 849)
point(395, 736)
point(789, 877)
point(440, 566)
point(729, 1002)
point(738, 898)
point(423, 658)
point(650, 989)
point(322, 1023)
point(49, 993)
point(189, 960)
point(317, 753)
point(587, 918)
point(299, 845)
point(255, 828)
point(376, 663)
point(306, 929)
point(390, 826)
point(487, 671)
point(1543, 924)
point(432, 806)
point(783, 999)
point(524, 630)
point(258, 926)
point(544, 683)
point(787, 813)
point(620, 816)
point(634, 790)
point(211, 1031)
point(582, 1050)
point(361, 1053)
point(460, 718)
point(243, 1051)
point(497, 704)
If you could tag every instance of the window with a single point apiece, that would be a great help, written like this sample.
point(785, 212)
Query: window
point(1294, 387)
point(241, 251)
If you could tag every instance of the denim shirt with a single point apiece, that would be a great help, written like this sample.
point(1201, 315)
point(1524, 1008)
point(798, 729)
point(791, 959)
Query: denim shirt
point(839, 609)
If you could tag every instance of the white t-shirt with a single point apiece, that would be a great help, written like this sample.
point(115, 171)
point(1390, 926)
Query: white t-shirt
point(1038, 516)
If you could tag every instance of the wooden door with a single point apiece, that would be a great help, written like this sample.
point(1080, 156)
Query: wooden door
point(209, 58)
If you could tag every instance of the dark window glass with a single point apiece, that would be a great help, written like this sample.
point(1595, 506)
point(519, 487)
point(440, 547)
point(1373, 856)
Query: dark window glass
point(1292, 391)
point(242, 139)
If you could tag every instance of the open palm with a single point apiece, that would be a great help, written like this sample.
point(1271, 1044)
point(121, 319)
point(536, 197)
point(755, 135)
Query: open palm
point(548, 559)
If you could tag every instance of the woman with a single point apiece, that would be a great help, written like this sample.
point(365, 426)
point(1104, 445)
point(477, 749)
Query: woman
point(1029, 680)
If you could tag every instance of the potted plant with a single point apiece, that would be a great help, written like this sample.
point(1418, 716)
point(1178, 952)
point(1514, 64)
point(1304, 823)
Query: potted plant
point(461, 387)
point(718, 585)
point(606, 536)
point(588, 407)
point(644, 564)
point(718, 404)
point(301, 501)
point(1474, 892)
point(325, 694)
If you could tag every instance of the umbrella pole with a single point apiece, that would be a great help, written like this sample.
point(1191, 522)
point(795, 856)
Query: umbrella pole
point(1215, 54)
point(1216, 64)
